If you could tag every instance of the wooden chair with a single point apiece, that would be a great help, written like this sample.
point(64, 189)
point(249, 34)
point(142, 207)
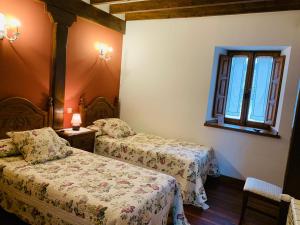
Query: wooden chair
point(266, 192)
point(294, 213)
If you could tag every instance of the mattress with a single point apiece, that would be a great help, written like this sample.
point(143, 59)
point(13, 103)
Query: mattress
point(189, 163)
point(87, 189)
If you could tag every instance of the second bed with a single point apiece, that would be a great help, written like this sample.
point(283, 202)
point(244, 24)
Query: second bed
point(189, 163)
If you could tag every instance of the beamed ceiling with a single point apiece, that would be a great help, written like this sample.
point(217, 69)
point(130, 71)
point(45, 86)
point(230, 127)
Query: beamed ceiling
point(163, 9)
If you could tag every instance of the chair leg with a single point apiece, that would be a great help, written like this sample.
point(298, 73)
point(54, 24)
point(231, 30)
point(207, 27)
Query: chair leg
point(244, 207)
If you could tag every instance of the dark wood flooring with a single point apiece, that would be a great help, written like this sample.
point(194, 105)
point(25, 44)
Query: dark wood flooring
point(225, 200)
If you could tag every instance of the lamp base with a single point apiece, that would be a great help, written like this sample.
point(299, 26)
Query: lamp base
point(76, 128)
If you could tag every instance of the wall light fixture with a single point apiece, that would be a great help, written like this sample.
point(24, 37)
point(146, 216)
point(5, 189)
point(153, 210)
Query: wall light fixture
point(104, 51)
point(2, 26)
point(9, 28)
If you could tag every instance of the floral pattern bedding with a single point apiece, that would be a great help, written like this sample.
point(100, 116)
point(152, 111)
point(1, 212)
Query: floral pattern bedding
point(8, 148)
point(40, 145)
point(88, 189)
point(189, 163)
point(116, 128)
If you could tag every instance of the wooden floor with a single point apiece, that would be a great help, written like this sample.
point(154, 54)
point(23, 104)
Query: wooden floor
point(225, 199)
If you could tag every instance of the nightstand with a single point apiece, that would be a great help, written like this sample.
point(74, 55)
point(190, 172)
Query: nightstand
point(83, 139)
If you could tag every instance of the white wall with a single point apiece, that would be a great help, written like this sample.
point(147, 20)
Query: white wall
point(166, 75)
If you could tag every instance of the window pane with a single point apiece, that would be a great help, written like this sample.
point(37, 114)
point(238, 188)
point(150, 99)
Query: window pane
point(236, 87)
point(260, 88)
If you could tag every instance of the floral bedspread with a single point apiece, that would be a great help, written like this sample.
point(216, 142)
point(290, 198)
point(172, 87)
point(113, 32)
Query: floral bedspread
point(85, 189)
point(189, 163)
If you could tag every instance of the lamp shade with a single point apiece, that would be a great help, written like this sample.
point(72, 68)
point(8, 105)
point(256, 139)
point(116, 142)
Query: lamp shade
point(76, 119)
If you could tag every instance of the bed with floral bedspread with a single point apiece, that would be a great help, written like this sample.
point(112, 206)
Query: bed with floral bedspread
point(189, 163)
point(88, 189)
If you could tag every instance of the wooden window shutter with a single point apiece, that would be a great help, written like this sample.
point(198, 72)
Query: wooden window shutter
point(222, 85)
point(274, 90)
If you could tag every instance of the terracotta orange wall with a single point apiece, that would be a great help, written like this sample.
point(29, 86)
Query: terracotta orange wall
point(25, 64)
point(87, 75)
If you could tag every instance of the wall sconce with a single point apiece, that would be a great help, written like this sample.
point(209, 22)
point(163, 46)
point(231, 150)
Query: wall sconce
point(104, 51)
point(9, 28)
point(76, 121)
point(2, 26)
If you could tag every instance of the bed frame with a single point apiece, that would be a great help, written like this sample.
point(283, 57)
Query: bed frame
point(19, 114)
point(99, 108)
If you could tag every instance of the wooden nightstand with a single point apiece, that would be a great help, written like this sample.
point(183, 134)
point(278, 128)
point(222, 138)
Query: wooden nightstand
point(83, 139)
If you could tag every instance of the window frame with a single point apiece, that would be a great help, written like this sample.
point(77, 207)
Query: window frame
point(252, 55)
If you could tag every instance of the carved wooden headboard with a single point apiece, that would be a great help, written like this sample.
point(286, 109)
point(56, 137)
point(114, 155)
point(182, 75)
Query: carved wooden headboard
point(18, 114)
point(99, 108)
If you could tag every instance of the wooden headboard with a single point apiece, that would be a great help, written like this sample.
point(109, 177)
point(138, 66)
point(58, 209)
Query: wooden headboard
point(19, 114)
point(99, 108)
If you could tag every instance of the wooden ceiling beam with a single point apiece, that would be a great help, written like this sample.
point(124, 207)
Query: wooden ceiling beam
point(95, 2)
point(89, 12)
point(239, 8)
point(153, 5)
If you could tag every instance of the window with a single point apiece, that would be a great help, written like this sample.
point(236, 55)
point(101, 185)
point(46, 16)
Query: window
point(248, 88)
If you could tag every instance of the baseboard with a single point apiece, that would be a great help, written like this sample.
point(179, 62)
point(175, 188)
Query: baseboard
point(226, 180)
point(232, 180)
